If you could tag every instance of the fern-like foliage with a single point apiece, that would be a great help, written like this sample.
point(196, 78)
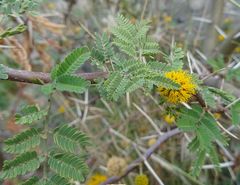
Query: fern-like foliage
point(204, 126)
point(223, 94)
point(103, 50)
point(132, 39)
point(72, 62)
point(235, 112)
point(68, 165)
point(175, 59)
point(22, 142)
point(208, 97)
point(69, 138)
point(130, 76)
point(13, 31)
point(29, 114)
point(17, 6)
point(22, 164)
point(57, 180)
point(63, 75)
point(3, 73)
point(53, 180)
point(31, 181)
point(71, 83)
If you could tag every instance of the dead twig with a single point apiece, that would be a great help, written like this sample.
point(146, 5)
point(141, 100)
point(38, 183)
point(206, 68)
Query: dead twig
point(146, 156)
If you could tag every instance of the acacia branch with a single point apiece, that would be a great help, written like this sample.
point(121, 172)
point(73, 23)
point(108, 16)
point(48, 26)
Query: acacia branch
point(43, 78)
point(146, 156)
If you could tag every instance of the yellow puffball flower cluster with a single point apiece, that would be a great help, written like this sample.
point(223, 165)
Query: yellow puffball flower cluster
point(51, 6)
point(61, 109)
point(167, 19)
point(237, 50)
point(152, 141)
point(141, 180)
point(169, 119)
point(96, 179)
point(116, 166)
point(217, 115)
point(221, 38)
point(186, 90)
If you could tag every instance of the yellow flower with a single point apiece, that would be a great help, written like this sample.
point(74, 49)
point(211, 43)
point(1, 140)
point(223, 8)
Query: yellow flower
point(61, 109)
point(184, 93)
point(116, 166)
point(217, 115)
point(96, 179)
point(221, 38)
point(237, 50)
point(151, 141)
point(141, 180)
point(227, 20)
point(169, 118)
point(76, 29)
point(167, 19)
point(51, 6)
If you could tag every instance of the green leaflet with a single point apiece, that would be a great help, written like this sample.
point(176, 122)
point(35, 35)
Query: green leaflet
point(131, 75)
point(223, 94)
point(71, 83)
point(22, 164)
point(71, 62)
point(68, 165)
point(3, 74)
point(53, 180)
point(57, 180)
point(103, 50)
point(175, 58)
point(31, 181)
point(235, 111)
point(22, 142)
point(13, 31)
point(16, 7)
point(217, 63)
point(206, 133)
point(208, 97)
point(29, 114)
point(194, 144)
point(160, 80)
point(132, 39)
point(63, 74)
point(47, 89)
point(69, 138)
point(197, 166)
point(197, 120)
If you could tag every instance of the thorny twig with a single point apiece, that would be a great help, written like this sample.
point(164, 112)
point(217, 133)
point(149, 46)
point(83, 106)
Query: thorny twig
point(146, 155)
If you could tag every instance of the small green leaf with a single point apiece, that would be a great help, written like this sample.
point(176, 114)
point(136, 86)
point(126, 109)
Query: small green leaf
point(3, 74)
point(71, 83)
point(22, 164)
point(208, 97)
point(72, 62)
point(47, 89)
point(29, 114)
point(69, 138)
point(22, 142)
point(223, 94)
point(199, 162)
point(31, 181)
point(217, 64)
point(235, 111)
point(68, 165)
point(13, 31)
